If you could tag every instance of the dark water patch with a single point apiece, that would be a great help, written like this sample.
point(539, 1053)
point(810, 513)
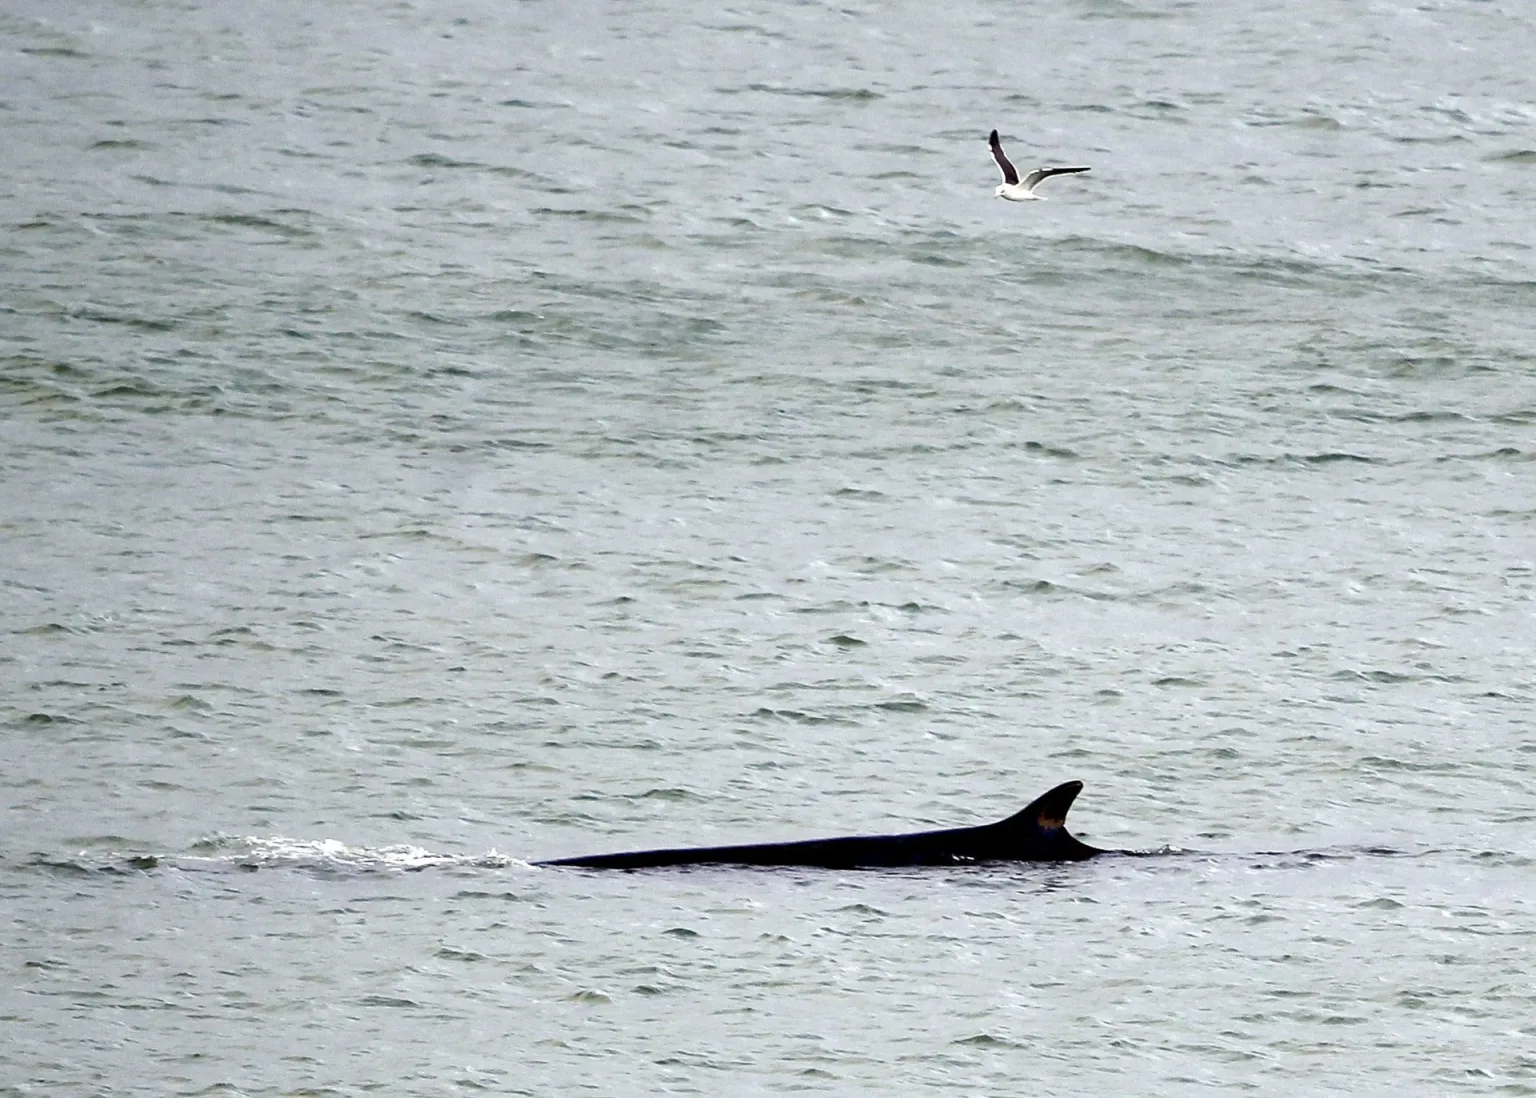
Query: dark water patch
point(506, 171)
point(1502, 454)
point(477, 894)
point(1136, 254)
point(1514, 156)
point(857, 95)
point(51, 628)
point(1309, 120)
point(1120, 9)
point(68, 52)
point(1450, 365)
point(730, 439)
point(47, 964)
point(987, 1040)
point(1292, 273)
point(1330, 388)
point(539, 560)
point(125, 866)
point(448, 953)
point(1382, 763)
point(1307, 460)
point(120, 143)
point(1366, 415)
point(216, 188)
point(1506, 857)
point(674, 795)
point(535, 104)
point(1434, 139)
point(933, 259)
point(505, 443)
point(1033, 447)
point(823, 210)
point(527, 321)
point(100, 315)
point(42, 720)
point(1351, 275)
point(1161, 110)
point(1177, 591)
point(903, 705)
point(798, 716)
point(619, 216)
point(434, 318)
point(1049, 589)
point(900, 150)
point(862, 909)
point(1380, 903)
point(269, 225)
point(437, 160)
point(747, 28)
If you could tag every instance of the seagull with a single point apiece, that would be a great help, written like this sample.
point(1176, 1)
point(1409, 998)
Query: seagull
point(1014, 189)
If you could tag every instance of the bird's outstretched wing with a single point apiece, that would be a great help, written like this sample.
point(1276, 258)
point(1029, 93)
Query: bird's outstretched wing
point(1010, 174)
point(1034, 178)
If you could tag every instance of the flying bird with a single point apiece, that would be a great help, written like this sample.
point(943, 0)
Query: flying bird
point(1012, 187)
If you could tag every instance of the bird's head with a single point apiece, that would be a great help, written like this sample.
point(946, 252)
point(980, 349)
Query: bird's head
point(1001, 191)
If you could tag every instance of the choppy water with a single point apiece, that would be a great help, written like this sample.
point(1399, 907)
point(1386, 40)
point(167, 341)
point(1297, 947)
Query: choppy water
point(435, 437)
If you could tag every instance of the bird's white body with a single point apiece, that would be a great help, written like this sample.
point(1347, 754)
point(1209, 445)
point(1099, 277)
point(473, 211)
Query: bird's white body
point(1018, 192)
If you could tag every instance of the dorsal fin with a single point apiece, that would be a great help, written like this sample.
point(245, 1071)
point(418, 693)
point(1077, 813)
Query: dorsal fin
point(1040, 830)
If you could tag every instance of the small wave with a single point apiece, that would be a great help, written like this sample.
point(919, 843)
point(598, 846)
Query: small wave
point(1133, 253)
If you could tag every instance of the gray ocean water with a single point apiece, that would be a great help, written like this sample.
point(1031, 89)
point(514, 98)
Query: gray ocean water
point(439, 436)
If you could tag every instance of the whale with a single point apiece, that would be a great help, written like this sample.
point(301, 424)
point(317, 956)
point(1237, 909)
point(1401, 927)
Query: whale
point(1037, 833)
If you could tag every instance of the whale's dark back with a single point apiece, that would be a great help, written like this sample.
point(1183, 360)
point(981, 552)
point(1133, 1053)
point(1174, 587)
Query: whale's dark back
point(1036, 834)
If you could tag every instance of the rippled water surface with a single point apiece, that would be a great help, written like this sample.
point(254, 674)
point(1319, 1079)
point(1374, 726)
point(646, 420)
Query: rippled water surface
point(436, 437)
